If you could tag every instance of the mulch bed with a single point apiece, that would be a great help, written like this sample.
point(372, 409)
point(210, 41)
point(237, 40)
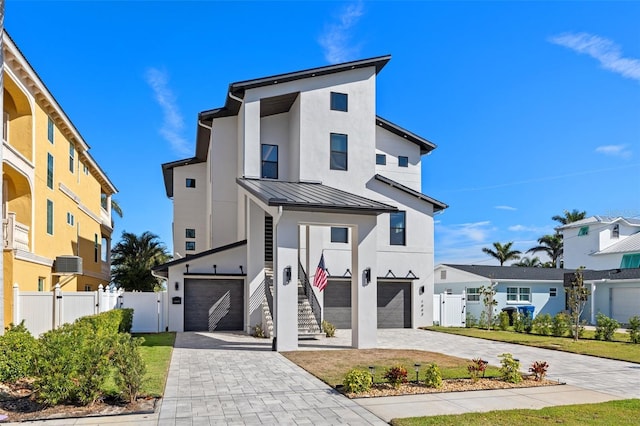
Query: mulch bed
point(450, 385)
point(17, 402)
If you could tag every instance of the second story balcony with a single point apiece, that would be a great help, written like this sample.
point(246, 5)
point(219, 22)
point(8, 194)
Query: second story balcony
point(16, 234)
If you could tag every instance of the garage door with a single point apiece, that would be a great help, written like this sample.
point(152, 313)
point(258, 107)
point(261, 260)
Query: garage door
point(394, 304)
point(625, 303)
point(213, 305)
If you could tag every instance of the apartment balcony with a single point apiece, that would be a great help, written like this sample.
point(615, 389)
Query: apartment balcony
point(16, 234)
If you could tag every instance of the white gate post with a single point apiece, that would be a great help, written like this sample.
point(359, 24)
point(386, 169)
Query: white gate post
point(100, 298)
point(16, 304)
point(57, 306)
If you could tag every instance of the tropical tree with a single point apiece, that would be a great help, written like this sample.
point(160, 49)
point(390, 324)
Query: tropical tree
point(551, 245)
point(115, 207)
point(132, 259)
point(570, 216)
point(533, 262)
point(502, 252)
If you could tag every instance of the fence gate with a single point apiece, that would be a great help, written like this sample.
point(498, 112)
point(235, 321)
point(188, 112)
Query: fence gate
point(452, 310)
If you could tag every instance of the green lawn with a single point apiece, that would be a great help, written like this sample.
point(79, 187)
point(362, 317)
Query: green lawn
point(156, 351)
point(623, 412)
point(620, 349)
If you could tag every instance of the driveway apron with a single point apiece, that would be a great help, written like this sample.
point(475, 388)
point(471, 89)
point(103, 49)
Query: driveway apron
point(223, 378)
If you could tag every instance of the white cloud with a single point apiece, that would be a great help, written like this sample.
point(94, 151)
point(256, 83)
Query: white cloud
point(604, 50)
point(614, 150)
point(173, 124)
point(336, 39)
point(541, 230)
point(505, 208)
point(464, 232)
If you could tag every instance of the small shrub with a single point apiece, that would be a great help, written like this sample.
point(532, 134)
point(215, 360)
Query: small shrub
point(471, 321)
point(560, 325)
point(357, 381)
point(130, 366)
point(329, 329)
point(542, 324)
point(17, 353)
point(503, 320)
point(539, 369)
point(509, 368)
point(605, 327)
point(396, 375)
point(476, 368)
point(483, 321)
point(433, 376)
point(634, 329)
point(258, 331)
point(518, 322)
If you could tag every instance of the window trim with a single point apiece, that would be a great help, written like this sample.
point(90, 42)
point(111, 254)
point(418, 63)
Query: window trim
point(553, 291)
point(263, 161)
point(337, 236)
point(96, 246)
point(49, 217)
point(395, 228)
point(382, 158)
point(72, 157)
point(334, 103)
point(189, 244)
point(188, 234)
point(70, 219)
point(473, 292)
point(333, 152)
point(50, 130)
point(188, 181)
point(518, 295)
point(50, 170)
point(403, 161)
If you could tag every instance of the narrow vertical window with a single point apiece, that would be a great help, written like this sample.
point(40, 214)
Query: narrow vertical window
point(72, 157)
point(49, 217)
point(615, 231)
point(70, 219)
point(5, 126)
point(41, 283)
point(339, 101)
point(104, 252)
point(50, 130)
point(50, 170)
point(398, 228)
point(403, 161)
point(96, 248)
point(338, 159)
point(269, 161)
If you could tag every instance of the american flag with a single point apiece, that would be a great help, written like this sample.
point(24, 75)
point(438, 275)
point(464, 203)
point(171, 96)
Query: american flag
point(320, 280)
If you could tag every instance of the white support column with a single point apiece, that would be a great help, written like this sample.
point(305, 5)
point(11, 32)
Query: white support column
point(57, 306)
point(255, 263)
point(286, 292)
point(364, 316)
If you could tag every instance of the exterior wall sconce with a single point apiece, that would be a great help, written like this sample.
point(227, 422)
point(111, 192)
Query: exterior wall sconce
point(367, 275)
point(215, 267)
point(177, 285)
point(241, 270)
point(287, 275)
point(187, 266)
point(421, 290)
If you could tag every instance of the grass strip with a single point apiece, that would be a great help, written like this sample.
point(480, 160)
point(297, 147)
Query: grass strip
point(156, 351)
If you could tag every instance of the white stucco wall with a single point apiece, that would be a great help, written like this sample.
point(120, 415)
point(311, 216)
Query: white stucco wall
point(274, 130)
point(579, 250)
point(393, 146)
point(185, 202)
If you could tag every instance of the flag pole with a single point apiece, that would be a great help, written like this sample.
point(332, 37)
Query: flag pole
point(1, 160)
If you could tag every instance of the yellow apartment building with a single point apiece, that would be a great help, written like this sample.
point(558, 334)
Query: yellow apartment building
point(56, 200)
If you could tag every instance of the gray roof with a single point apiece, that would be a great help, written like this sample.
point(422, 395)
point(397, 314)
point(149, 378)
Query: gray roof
point(630, 244)
point(610, 274)
point(424, 144)
point(167, 172)
point(605, 220)
point(437, 205)
point(165, 266)
point(311, 197)
point(513, 272)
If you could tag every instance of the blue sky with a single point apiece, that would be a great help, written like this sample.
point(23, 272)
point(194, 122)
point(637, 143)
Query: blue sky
point(534, 106)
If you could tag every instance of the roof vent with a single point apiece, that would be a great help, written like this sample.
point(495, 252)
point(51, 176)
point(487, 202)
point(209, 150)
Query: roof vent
point(68, 265)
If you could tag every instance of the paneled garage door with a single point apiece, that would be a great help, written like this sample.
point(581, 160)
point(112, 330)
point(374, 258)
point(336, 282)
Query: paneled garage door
point(394, 304)
point(625, 303)
point(224, 297)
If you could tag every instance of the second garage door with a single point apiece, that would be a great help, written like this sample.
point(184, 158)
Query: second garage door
point(201, 295)
point(624, 303)
point(393, 308)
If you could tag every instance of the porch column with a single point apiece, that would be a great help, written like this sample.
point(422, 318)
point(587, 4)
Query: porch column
point(364, 295)
point(286, 297)
point(255, 266)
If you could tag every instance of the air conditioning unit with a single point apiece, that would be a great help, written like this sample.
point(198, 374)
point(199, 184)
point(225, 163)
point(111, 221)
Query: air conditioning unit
point(68, 265)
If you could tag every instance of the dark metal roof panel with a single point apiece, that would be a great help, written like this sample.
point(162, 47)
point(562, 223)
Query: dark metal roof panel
point(165, 266)
point(424, 144)
point(437, 205)
point(513, 272)
point(311, 196)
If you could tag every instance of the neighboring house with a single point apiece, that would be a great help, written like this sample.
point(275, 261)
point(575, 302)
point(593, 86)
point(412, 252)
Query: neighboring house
point(602, 242)
point(55, 200)
point(291, 167)
point(540, 288)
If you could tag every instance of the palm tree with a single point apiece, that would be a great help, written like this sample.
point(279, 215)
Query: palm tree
point(132, 259)
point(551, 245)
point(570, 216)
point(502, 252)
point(115, 207)
point(533, 262)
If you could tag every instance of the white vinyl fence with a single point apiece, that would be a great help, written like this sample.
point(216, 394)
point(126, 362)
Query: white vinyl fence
point(449, 310)
point(44, 311)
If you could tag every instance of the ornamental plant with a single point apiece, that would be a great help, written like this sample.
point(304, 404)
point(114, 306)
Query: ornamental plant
point(560, 324)
point(433, 376)
point(605, 327)
point(542, 324)
point(539, 369)
point(509, 369)
point(634, 329)
point(503, 320)
point(396, 375)
point(329, 329)
point(475, 368)
point(18, 351)
point(357, 381)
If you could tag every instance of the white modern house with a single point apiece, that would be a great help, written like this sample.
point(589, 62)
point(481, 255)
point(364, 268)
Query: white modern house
point(602, 242)
point(292, 167)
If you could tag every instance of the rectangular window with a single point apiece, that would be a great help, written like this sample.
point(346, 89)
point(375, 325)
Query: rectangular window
point(87, 287)
point(615, 231)
point(443, 274)
point(473, 295)
point(381, 159)
point(339, 235)
point(269, 161)
point(50, 130)
point(518, 294)
point(104, 252)
point(50, 170)
point(85, 169)
point(403, 161)
point(397, 228)
point(190, 245)
point(5, 126)
point(41, 281)
point(190, 233)
point(631, 260)
point(191, 183)
point(339, 101)
point(72, 157)
point(338, 156)
point(70, 219)
point(49, 217)
point(96, 248)
point(553, 292)
point(583, 231)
